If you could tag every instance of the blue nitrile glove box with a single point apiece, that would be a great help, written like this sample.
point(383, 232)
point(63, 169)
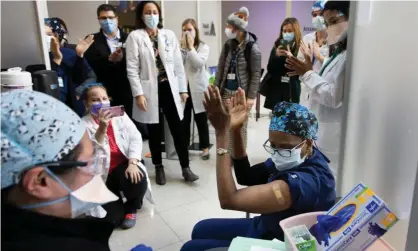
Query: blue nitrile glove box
point(355, 222)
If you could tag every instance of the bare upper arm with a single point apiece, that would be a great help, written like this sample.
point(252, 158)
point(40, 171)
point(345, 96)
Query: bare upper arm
point(267, 198)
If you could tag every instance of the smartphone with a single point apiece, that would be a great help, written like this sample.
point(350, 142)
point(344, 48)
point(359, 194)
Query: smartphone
point(115, 111)
point(283, 44)
point(187, 33)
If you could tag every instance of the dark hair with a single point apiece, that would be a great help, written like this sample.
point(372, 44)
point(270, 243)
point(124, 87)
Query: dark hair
point(140, 9)
point(106, 7)
point(298, 35)
point(343, 6)
point(193, 23)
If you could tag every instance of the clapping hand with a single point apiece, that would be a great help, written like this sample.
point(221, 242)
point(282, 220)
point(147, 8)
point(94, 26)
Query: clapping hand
point(306, 49)
point(233, 115)
point(116, 56)
point(55, 49)
point(298, 66)
point(83, 45)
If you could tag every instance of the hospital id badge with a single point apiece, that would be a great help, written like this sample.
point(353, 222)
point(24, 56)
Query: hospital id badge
point(285, 79)
point(60, 82)
point(231, 76)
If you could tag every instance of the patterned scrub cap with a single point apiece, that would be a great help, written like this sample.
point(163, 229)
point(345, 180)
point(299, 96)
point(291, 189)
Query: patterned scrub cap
point(318, 5)
point(294, 119)
point(35, 128)
point(56, 26)
point(81, 90)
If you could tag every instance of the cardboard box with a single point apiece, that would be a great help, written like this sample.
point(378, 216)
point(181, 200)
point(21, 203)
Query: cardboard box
point(371, 218)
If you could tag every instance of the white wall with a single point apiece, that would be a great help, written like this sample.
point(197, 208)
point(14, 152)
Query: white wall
point(211, 11)
point(80, 17)
point(175, 12)
point(381, 141)
point(20, 36)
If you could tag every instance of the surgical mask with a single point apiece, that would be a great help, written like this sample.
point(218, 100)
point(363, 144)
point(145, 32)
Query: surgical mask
point(318, 23)
point(108, 25)
point(288, 36)
point(229, 34)
point(335, 31)
point(289, 160)
point(92, 194)
point(95, 107)
point(151, 21)
point(48, 42)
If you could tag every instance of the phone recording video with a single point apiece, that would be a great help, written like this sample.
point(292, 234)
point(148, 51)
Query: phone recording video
point(115, 111)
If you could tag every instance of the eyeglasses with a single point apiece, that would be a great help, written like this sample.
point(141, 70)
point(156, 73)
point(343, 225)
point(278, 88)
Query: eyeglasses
point(282, 152)
point(104, 18)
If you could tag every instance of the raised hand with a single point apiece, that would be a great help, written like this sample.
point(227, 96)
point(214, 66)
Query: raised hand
point(238, 110)
point(217, 113)
point(83, 45)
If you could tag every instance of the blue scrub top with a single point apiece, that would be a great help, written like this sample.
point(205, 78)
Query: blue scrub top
point(312, 187)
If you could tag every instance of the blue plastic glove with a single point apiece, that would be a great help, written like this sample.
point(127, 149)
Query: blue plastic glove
point(331, 223)
point(375, 230)
point(141, 247)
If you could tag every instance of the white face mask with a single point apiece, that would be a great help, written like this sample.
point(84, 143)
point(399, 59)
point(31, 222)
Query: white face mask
point(92, 194)
point(292, 158)
point(335, 31)
point(318, 23)
point(229, 34)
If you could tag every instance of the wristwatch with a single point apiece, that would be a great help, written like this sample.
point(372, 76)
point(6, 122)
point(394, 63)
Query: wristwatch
point(221, 151)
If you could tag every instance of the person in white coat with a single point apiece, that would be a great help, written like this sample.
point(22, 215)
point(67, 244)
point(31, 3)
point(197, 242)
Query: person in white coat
point(315, 44)
point(326, 88)
point(156, 74)
point(195, 56)
point(122, 143)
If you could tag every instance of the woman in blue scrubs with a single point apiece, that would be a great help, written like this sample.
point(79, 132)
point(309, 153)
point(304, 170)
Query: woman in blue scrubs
point(295, 179)
point(69, 63)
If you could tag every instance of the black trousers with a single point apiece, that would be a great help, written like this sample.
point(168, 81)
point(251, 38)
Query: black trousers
point(201, 123)
point(168, 106)
point(134, 194)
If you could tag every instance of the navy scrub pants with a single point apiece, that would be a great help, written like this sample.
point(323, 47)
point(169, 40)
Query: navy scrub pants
point(215, 233)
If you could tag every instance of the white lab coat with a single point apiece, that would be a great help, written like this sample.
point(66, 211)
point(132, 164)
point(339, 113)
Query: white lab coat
point(325, 99)
point(142, 71)
point(128, 139)
point(197, 75)
point(324, 51)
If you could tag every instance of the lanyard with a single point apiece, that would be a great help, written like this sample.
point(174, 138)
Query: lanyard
point(334, 55)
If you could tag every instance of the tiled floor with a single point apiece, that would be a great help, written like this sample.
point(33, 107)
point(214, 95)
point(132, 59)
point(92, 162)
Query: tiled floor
point(166, 225)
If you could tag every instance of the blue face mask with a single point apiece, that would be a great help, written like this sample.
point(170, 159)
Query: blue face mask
point(151, 21)
point(288, 36)
point(108, 25)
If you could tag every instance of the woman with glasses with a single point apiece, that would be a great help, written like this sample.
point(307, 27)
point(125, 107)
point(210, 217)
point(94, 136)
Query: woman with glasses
point(295, 179)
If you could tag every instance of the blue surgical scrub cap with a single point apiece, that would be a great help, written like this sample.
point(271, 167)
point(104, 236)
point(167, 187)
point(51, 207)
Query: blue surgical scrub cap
point(57, 26)
point(35, 128)
point(294, 119)
point(318, 5)
point(81, 90)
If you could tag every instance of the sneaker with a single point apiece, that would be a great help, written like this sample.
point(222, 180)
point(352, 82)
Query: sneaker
point(205, 155)
point(129, 221)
